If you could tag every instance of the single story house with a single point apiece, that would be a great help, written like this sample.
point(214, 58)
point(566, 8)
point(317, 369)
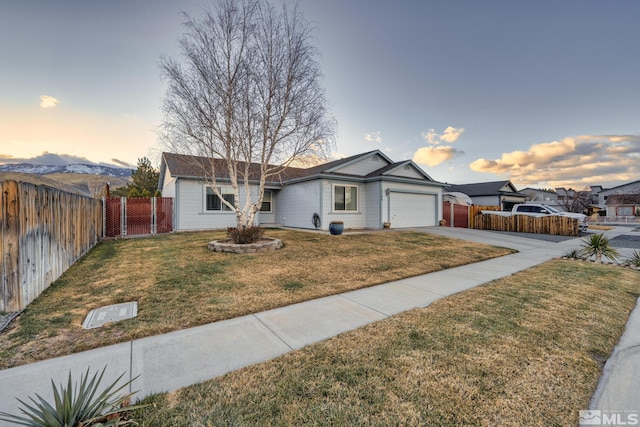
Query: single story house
point(494, 193)
point(623, 205)
point(364, 191)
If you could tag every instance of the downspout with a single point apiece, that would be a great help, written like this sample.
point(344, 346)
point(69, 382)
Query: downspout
point(321, 192)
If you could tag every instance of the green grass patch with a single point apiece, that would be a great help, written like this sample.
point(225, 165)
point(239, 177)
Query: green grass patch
point(292, 285)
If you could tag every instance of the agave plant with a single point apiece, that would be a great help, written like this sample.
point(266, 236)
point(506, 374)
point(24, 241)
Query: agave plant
point(83, 405)
point(634, 259)
point(598, 245)
point(574, 254)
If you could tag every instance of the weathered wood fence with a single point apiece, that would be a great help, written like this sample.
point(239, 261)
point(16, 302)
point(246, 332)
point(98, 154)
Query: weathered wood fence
point(551, 224)
point(462, 215)
point(43, 232)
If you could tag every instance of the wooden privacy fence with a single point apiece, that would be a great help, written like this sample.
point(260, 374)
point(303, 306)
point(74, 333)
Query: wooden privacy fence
point(462, 215)
point(137, 216)
point(43, 232)
point(550, 224)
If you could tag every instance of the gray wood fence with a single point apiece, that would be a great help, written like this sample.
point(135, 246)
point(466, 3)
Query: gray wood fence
point(43, 232)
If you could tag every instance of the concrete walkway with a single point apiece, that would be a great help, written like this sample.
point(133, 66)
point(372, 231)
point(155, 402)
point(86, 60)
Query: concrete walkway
point(178, 359)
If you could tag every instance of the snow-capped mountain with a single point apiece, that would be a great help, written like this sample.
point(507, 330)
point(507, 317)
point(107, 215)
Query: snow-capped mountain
point(74, 168)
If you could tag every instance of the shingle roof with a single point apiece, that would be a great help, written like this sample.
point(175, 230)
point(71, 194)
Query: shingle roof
point(623, 199)
point(478, 189)
point(194, 167)
point(185, 166)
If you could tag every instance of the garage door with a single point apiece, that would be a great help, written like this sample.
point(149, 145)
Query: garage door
point(412, 210)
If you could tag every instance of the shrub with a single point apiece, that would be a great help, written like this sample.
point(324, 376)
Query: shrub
point(574, 254)
point(598, 245)
point(634, 259)
point(245, 235)
point(82, 405)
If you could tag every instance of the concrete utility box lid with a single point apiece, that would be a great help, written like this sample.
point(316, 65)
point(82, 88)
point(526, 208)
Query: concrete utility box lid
point(109, 314)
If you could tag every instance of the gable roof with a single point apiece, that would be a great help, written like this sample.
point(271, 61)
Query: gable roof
point(193, 167)
point(491, 188)
point(618, 187)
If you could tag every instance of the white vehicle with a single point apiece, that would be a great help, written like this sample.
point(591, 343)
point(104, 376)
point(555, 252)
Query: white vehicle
point(535, 209)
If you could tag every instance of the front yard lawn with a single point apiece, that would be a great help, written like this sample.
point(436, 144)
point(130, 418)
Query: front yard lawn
point(527, 349)
point(179, 283)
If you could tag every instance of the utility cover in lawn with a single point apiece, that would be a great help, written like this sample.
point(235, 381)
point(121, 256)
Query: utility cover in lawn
point(110, 314)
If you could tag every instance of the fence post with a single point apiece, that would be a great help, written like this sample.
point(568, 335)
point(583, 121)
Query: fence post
point(123, 216)
point(104, 217)
point(11, 295)
point(154, 212)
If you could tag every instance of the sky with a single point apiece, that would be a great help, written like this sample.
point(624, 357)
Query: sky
point(544, 93)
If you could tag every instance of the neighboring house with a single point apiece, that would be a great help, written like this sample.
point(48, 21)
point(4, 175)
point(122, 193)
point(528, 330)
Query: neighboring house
point(364, 191)
point(629, 188)
point(536, 195)
point(495, 193)
point(623, 205)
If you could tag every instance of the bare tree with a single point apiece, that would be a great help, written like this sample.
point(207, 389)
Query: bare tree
point(246, 91)
point(576, 200)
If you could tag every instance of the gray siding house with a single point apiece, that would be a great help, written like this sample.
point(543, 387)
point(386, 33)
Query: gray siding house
point(364, 191)
point(494, 193)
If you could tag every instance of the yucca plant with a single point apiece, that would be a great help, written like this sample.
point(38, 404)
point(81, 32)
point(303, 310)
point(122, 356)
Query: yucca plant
point(574, 254)
point(80, 406)
point(598, 245)
point(634, 259)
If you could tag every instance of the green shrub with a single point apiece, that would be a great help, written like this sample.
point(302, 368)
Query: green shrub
point(598, 245)
point(574, 254)
point(82, 405)
point(634, 259)
point(245, 235)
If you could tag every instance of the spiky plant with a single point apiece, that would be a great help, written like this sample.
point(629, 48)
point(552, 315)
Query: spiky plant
point(598, 245)
point(574, 254)
point(83, 405)
point(634, 259)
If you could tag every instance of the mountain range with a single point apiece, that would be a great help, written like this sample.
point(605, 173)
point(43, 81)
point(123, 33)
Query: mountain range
point(83, 179)
point(72, 168)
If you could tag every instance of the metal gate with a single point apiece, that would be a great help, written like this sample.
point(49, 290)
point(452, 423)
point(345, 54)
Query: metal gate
point(137, 216)
point(455, 215)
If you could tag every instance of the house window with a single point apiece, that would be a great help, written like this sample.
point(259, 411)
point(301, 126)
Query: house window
point(345, 198)
point(266, 201)
point(624, 211)
point(213, 201)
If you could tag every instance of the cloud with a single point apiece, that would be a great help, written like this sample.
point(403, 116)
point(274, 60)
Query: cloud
point(571, 162)
point(373, 137)
point(47, 101)
point(433, 156)
point(449, 135)
point(434, 153)
point(54, 159)
point(47, 159)
point(123, 164)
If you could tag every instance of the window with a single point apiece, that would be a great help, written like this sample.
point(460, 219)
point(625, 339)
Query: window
point(213, 201)
point(345, 198)
point(266, 202)
point(624, 211)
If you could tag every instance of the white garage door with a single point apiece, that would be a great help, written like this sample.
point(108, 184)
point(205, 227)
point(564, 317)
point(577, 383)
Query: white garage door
point(412, 210)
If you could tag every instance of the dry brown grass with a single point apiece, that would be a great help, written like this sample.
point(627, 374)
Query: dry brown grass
point(600, 227)
point(523, 350)
point(179, 283)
